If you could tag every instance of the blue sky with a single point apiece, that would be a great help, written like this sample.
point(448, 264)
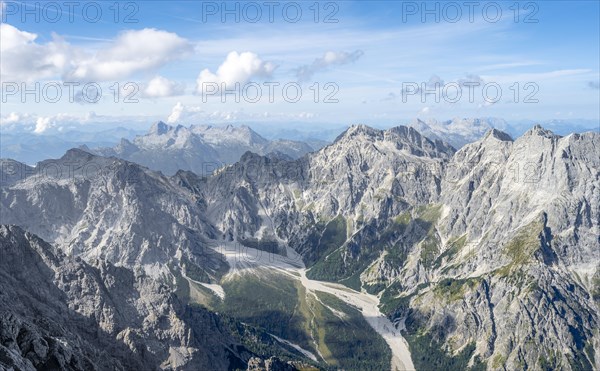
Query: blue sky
point(545, 65)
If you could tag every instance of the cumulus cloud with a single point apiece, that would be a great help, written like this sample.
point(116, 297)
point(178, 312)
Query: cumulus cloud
point(10, 118)
point(19, 122)
point(25, 60)
point(160, 87)
point(237, 68)
point(42, 124)
point(12, 37)
point(175, 113)
point(15, 120)
point(132, 51)
point(330, 58)
point(39, 124)
point(181, 113)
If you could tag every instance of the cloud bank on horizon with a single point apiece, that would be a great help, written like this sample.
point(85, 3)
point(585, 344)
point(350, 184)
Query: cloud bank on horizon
point(342, 62)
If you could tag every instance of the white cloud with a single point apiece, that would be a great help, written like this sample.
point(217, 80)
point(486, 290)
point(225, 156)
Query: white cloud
point(330, 58)
point(50, 124)
point(160, 87)
point(181, 113)
point(237, 68)
point(175, 113)
point(45, 123)
point(132, 51)
point(42, 124)
point(12, 37)
point(14, 118)
point(25, 60)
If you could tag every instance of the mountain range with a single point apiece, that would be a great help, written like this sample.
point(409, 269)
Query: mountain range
point(200, 148)
point(460, 131)
point(384, 247)
point(23, 142)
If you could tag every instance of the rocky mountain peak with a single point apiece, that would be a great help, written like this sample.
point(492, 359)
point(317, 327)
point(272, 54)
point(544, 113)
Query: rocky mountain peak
point(360, 130)
point(410, 139)
point(249, 156)
point(159, 128)
point(73, 157)
point(538, 130)
point(405, 133)
point(402, 138)
point(498, 134)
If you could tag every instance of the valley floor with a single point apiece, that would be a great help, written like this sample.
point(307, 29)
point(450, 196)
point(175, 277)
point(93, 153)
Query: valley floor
point(245, 260)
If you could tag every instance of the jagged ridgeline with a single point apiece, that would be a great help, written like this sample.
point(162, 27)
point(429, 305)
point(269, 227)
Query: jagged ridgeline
point(484, 258)
point(200, 148)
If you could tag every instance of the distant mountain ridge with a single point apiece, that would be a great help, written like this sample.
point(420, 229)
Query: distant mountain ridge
point(198, 148)
point(460, 131)
point(30, 148)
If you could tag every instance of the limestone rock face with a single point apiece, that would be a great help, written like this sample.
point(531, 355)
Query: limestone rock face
point(58, 312)
point(109, 209)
